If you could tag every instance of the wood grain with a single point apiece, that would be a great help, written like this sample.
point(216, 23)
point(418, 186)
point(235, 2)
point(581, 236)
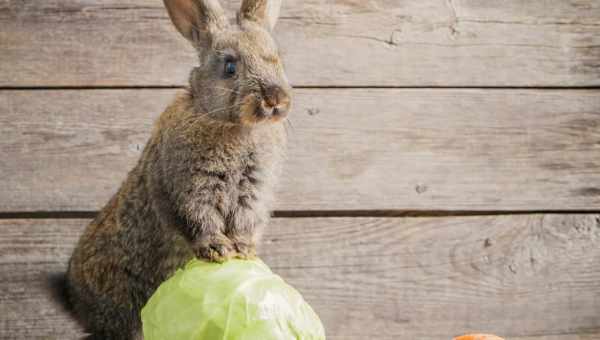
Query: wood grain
point(325, 43)
point(527, 277)
point(367, 149)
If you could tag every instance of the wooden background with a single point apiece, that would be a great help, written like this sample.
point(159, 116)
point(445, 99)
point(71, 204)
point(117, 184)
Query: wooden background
point(444, 168)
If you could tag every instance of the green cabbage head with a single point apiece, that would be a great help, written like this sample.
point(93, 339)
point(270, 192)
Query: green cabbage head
point(235, 300)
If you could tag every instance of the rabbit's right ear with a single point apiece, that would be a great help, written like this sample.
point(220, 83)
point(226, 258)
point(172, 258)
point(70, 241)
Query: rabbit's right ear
point(197, 20)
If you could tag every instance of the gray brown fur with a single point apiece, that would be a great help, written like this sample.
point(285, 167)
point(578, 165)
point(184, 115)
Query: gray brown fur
point(203, 185)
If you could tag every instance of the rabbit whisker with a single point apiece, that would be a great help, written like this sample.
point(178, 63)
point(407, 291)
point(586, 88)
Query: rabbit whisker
point(289, 122)
point(224, 108)
point(221, 88)
point(288, 126)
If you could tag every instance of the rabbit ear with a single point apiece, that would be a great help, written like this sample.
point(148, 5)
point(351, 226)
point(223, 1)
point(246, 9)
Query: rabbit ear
point(265, 12)
point(196, 20)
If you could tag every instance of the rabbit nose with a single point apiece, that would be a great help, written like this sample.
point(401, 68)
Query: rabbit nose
point(276, 100)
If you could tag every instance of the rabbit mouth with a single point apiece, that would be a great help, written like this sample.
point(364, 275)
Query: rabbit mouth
point(255, 109)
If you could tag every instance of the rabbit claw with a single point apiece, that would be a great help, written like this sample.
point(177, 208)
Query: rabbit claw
point(217, 248)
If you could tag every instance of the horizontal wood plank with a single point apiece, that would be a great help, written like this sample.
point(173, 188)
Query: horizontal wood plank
point(527, 277)
point(369, 149)
point(325, 43)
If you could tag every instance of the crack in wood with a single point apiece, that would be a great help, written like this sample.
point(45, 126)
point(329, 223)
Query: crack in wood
point(454, 21)
point(509, 22)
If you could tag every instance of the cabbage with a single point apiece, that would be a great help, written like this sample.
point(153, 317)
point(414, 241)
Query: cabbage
point(235, 300)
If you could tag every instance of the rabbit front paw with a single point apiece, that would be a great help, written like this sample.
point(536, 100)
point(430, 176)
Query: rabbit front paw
point(215, 248)
point(245, 250)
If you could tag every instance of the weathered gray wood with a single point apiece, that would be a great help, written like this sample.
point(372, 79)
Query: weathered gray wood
point(391, 42)
point(527, 277)
point(350, 149)
point(587, 336)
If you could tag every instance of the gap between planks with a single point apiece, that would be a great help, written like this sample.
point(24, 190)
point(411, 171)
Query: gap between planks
point(320, 213)
point(301, 87)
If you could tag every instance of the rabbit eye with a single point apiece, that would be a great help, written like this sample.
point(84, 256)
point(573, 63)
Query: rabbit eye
point(230, 68)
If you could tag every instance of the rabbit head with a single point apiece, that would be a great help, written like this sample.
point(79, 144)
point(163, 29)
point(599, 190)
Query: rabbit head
point(240, 77)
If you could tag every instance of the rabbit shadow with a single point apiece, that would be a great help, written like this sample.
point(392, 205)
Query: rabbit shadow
point(56, 286)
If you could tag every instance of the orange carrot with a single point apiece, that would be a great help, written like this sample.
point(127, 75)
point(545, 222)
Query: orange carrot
point(478, 337)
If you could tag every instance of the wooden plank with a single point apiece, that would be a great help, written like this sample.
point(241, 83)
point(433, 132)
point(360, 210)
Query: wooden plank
point(525, 277)
point(588, 336)
point(367, 149)
point(342, 42)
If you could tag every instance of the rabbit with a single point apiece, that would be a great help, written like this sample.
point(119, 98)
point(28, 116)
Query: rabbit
point(203, 186)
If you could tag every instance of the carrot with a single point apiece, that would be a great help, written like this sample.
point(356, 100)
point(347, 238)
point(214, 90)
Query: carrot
point(478, 337)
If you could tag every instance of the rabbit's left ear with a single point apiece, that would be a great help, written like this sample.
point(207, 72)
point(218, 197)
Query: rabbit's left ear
point(197, 20)
point(265, 12)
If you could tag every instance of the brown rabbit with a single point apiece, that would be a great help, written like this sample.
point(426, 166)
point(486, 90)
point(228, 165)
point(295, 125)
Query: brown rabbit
point(204, 182)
